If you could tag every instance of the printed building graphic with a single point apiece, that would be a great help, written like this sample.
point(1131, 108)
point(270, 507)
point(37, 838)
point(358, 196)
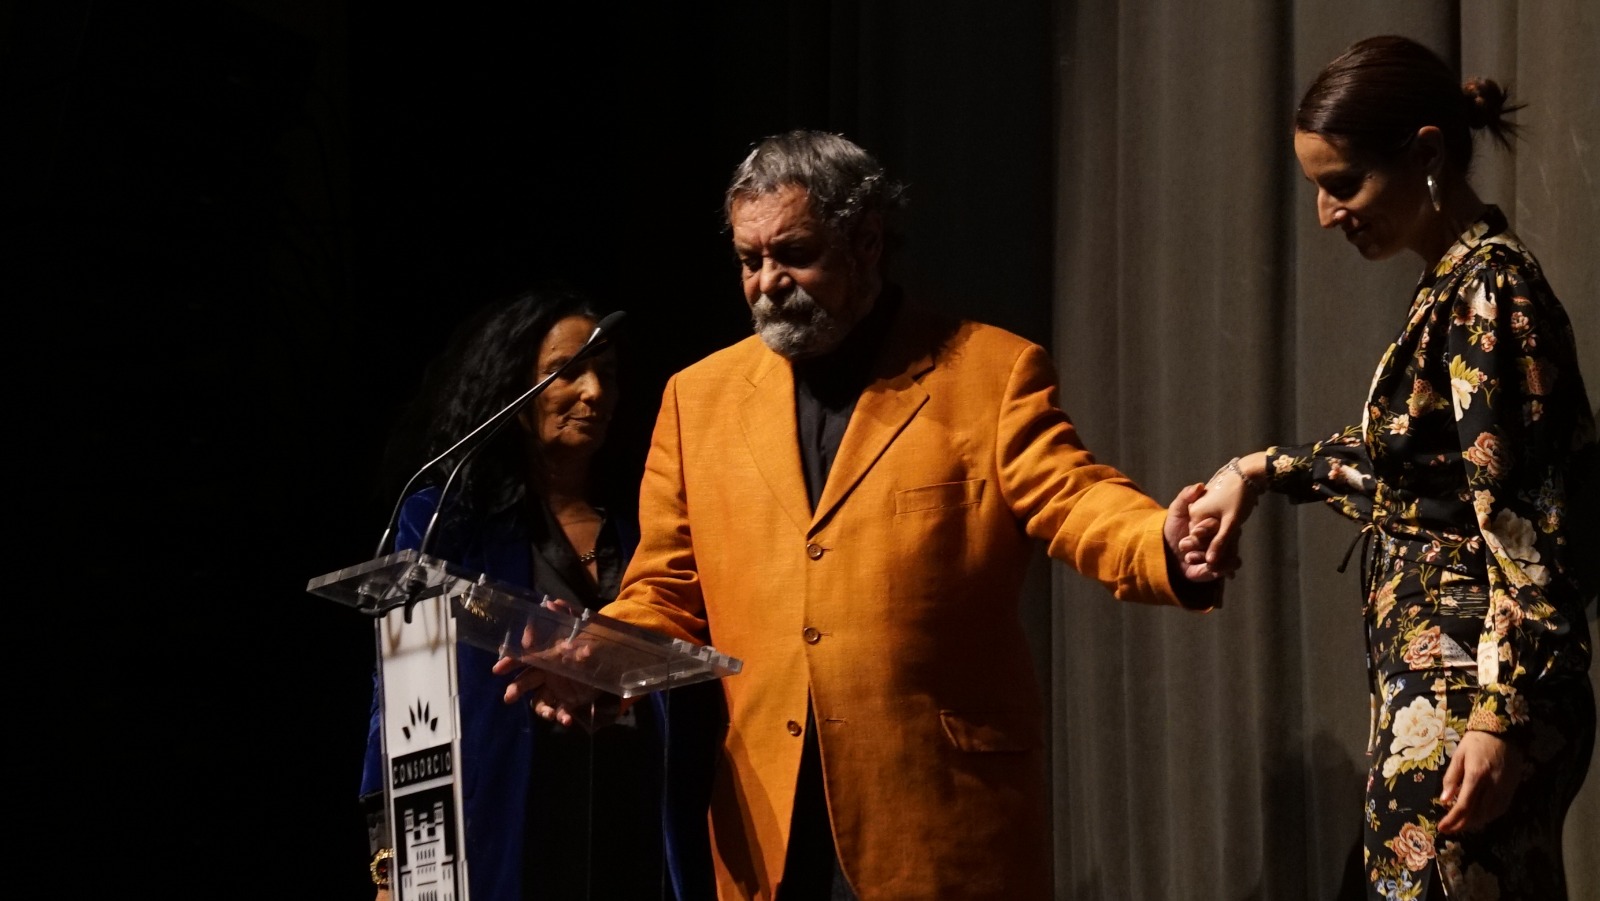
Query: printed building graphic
point(428, 866)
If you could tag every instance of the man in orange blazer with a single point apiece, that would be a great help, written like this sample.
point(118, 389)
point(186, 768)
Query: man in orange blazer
point(846, 501)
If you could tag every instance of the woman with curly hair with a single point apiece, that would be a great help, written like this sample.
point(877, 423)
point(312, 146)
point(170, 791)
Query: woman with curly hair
point(545, 804)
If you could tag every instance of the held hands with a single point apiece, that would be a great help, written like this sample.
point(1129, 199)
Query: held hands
point(1215, 516)
point(1184, 532)
point(1480, 782)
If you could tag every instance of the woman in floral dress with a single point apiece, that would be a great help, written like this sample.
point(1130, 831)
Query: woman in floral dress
point(1459, 474)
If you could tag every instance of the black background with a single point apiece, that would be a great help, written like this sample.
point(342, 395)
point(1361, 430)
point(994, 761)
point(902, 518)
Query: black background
point(247, 232)
point(235, 233)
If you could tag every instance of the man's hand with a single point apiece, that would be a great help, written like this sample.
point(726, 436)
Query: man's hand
point(1227, 503)
point(1185, 533)
point(1480, 782)
point(553, 696)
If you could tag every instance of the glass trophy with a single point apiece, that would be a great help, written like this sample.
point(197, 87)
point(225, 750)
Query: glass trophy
point(607, 654)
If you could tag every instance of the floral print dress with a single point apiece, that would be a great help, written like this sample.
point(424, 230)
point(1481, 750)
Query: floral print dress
point(1459, 474)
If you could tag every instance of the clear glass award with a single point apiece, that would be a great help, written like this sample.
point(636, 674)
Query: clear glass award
point(613, 656)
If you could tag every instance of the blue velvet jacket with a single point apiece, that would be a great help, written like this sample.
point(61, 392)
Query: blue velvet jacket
point(500, 747)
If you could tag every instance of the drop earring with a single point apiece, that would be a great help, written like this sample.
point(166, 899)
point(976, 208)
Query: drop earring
point(1433, 194)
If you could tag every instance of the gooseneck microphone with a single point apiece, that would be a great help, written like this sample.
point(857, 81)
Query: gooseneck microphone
point(474, 440)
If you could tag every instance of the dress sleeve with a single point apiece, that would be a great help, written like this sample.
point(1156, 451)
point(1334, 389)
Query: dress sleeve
point(1502, 375)
point(1337, 471)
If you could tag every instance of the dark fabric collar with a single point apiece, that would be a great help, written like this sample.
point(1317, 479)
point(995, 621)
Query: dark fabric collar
point(826, 388)
point(838, 376)
point(556, 569)
point(1490, 224)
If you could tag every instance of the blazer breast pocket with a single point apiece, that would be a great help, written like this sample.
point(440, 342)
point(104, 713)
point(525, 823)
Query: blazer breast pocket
point(938, 497)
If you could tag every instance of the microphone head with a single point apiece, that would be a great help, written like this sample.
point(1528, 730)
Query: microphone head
point(601, 336)
point(609, 323)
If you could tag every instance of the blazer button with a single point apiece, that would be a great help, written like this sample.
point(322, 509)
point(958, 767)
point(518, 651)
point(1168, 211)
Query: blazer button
point(794, 729)
point(812, 636)
point(814, 551)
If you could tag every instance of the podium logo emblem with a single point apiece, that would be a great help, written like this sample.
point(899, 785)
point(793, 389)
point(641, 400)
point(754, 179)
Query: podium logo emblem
point(421, 715)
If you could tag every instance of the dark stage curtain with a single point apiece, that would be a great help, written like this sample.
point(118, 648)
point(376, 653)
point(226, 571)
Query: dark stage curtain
point(1199, 313)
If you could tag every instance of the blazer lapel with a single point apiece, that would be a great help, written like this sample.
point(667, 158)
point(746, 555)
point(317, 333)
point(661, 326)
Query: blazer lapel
point(884, 408)
point(766, 416)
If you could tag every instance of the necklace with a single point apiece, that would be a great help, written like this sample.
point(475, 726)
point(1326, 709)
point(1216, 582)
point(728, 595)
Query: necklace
point(588, 557)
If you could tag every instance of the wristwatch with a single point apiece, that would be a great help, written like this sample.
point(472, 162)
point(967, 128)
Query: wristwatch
point(380, 867)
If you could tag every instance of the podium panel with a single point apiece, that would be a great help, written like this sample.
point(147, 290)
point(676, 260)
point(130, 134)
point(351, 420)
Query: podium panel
point(424, 608)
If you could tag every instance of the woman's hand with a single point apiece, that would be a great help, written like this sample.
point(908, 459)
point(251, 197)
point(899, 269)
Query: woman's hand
point(552, 696)
point(536, 671)
point(1229, 498)
point(1478, 785)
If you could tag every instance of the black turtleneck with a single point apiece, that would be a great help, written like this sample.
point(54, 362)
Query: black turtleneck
point(826, 388)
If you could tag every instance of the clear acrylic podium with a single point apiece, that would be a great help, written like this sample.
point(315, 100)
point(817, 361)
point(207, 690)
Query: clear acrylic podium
point(424, 607)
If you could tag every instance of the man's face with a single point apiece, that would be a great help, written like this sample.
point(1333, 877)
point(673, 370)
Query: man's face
point(807, 286)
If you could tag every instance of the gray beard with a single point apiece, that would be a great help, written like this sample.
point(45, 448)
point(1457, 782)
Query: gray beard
point(798, 327)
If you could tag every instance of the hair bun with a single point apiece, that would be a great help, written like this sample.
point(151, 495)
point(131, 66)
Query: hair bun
point(1486, 102)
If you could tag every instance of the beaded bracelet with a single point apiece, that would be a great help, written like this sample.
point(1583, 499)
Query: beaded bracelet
point(1254, 486)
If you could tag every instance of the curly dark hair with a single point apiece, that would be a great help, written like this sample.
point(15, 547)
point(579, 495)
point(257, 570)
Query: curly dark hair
point(843, 181)
point(1375, 95)
point(486, 364)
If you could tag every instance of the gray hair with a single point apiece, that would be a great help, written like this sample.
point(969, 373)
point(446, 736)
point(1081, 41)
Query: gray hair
point(843, 181)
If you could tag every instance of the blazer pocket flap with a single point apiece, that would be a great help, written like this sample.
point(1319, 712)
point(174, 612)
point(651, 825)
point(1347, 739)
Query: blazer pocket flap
point(934, 497)
point(992, 730)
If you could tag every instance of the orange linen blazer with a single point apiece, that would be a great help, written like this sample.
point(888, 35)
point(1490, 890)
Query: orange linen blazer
point(894, 605)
